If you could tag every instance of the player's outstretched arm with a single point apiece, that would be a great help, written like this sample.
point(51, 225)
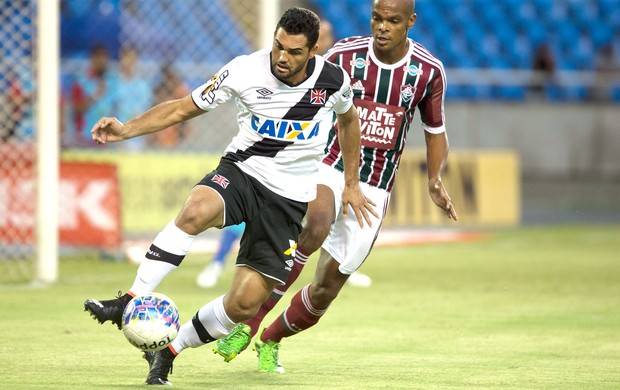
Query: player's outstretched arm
point(155, 119)
point(436, 157)
point(349, 138)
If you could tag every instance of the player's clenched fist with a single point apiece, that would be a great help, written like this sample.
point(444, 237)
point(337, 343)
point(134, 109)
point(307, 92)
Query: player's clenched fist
point(107, 130)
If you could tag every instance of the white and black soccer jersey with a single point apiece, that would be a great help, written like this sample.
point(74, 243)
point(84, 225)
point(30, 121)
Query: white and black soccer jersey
point(282, 129)
point(386, 96)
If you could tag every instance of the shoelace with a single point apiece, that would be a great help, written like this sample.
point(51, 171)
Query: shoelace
point(238, 336)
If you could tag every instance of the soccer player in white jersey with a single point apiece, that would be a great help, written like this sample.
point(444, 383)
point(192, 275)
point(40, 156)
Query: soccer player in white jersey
point(286, 97)
point(391, 75)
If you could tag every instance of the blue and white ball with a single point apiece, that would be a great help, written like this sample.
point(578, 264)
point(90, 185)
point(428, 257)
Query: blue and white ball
point(151, 321)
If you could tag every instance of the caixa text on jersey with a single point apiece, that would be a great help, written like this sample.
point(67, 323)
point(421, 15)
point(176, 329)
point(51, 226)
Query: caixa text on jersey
point(285, 129)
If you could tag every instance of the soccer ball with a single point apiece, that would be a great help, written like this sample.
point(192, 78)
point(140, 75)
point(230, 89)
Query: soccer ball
point(151, 321)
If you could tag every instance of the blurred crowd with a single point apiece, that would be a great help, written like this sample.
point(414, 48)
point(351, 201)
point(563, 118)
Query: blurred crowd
point(105, 87)
point(605, 85)
point(123, 91)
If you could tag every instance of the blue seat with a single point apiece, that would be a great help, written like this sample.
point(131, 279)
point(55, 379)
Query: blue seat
point(510, 92)
point(600, 34)
point(462, 33)
point(454, 92)
point(606, 7)
point(427, 12)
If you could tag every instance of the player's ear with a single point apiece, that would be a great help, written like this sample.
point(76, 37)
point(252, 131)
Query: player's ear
point(313, 51)
point(412, 19)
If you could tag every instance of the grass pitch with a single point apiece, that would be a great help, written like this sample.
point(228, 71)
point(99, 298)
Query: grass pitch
point(535, 308)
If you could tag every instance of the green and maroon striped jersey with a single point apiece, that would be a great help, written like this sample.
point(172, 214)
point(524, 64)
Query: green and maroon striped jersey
point(386, 96)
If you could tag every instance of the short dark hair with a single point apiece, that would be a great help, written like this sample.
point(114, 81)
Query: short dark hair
point(299, 20)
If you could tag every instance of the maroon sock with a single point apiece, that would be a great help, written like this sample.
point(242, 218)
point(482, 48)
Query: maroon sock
point(278, 292)
point(299, 316)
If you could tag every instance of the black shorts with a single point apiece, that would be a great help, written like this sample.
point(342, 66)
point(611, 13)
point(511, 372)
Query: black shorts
point(272, 222)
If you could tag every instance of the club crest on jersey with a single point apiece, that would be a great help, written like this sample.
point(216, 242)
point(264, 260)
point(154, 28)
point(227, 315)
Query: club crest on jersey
point(285, 129)
point(413, 70)
point(407, 92)
point(317, 96)
point(221, 181)
point(359, 63)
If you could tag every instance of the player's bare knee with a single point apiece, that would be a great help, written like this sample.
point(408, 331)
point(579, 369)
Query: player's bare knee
point(190, 222)
point(240, 310)
point(194, 218)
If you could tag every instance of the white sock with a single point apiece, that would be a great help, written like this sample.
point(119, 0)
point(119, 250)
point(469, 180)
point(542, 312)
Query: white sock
point(214, 318)
point(150, 274)
point(187, 338)
point(213, 323)
point(172, 240)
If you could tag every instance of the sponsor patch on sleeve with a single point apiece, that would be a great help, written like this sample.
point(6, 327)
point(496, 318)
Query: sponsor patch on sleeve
point(208, 94)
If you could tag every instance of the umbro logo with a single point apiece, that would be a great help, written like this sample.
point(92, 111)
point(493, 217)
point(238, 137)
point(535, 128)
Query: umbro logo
point(264, 94)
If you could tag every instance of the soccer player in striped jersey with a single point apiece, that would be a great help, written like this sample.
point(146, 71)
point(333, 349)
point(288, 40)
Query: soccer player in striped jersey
point(391, 76)
point(287, 98)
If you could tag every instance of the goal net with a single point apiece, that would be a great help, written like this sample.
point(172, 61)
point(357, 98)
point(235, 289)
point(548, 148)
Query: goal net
point(172, 47)
point(17, 140)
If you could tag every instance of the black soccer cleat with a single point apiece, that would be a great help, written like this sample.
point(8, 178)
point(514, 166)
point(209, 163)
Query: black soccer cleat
point(110, 310)
point(149, 357)
point(160, 365)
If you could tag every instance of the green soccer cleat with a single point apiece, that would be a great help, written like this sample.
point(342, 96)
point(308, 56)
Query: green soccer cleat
point(236, 342)
point(268, 359)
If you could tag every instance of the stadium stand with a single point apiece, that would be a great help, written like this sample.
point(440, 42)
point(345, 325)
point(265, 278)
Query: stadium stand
point(502, 34)
point(464, 34)
point(153, 26)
